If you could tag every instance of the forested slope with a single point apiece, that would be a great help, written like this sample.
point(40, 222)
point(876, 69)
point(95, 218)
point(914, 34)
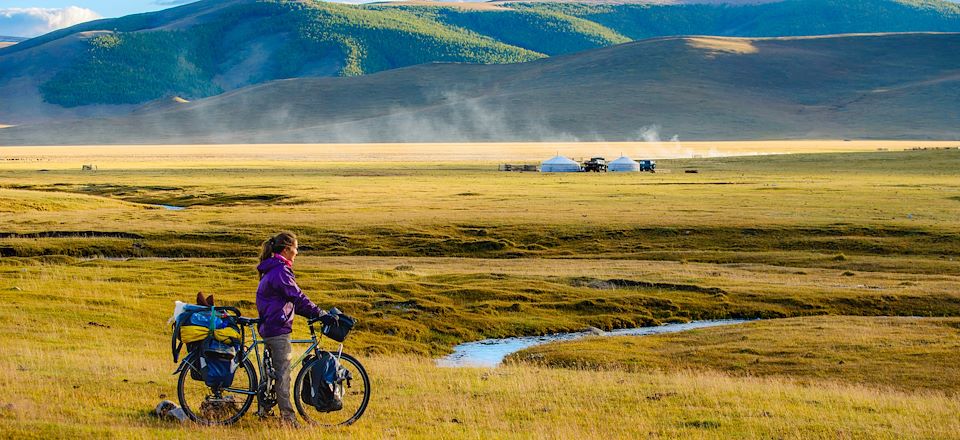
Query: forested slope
point(206, 48)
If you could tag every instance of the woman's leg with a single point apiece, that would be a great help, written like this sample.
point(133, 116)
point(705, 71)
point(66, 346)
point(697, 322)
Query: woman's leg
point(279, 347)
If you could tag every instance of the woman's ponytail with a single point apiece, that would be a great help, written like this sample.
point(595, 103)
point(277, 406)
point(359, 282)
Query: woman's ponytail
point(276, 244)
point(266, 249)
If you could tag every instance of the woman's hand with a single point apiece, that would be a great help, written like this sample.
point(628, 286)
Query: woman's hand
point(327, 318)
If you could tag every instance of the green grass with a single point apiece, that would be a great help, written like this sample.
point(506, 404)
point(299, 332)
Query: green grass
point(888, 211)
point(96, 334)
point(425, 266)
point(408, 311)
point(901, 353)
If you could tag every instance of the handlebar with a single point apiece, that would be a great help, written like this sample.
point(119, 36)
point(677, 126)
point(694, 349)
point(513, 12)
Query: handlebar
point(312, 321)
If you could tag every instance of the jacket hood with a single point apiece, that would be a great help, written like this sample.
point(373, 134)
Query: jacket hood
point(269, 264)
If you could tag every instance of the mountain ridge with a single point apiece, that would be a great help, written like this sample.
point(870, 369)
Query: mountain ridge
point(111, 66)
point(873, 86)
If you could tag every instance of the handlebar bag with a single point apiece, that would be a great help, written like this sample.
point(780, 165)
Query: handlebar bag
point(336, 325)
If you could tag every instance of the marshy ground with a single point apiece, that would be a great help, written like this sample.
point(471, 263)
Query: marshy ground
point(431, 254)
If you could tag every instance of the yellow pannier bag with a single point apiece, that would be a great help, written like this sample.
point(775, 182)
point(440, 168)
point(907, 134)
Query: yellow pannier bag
point(194, 333)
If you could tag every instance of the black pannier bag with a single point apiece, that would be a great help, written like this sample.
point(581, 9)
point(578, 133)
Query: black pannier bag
point(323, 383)
point(195, 369)
point(336, 325)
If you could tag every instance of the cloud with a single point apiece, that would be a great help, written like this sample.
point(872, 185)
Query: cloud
point(30, 22)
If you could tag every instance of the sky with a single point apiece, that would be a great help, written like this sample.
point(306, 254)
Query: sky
point(29, 18)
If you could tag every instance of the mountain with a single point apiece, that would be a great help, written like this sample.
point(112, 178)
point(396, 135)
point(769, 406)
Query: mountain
point(110, 67)
point(885, 86)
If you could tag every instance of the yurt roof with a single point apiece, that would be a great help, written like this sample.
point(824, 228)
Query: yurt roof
point(560, 160)
point(622, 160)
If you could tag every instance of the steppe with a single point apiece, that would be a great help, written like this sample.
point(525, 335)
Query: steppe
point(846, 250)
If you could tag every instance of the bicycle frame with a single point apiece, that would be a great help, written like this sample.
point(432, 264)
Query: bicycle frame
point(314, 342)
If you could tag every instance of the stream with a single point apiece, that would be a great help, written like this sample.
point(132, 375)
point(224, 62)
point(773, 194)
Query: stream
point(490, 352)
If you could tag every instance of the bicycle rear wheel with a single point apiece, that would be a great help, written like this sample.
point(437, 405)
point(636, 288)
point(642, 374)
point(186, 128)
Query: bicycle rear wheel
point(355, 397)
point(217, 406)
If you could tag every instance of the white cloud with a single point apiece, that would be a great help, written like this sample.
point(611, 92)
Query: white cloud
point(30, 22)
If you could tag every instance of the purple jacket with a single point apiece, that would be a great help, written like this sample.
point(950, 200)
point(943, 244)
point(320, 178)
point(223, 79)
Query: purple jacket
point(279, 298)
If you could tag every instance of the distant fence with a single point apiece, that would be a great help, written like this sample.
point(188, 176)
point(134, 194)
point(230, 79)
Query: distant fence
point(521, 167)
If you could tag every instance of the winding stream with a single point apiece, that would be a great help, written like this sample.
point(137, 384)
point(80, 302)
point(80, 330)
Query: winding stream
point(490, 352)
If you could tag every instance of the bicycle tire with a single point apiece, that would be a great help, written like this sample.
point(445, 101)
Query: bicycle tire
point(311, 415)
point(188, 409)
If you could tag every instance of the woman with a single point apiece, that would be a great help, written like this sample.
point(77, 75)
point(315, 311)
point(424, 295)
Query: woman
point(278, 299)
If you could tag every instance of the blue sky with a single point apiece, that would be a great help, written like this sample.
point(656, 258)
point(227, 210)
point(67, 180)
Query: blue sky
point(29, 18)
point(105, 8)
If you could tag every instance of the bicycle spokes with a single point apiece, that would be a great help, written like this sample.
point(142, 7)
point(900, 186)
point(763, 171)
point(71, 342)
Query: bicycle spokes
point(219, 406)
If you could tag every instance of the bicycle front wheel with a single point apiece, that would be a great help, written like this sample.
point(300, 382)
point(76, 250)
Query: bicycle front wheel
point(356, 396)
point(217, 406)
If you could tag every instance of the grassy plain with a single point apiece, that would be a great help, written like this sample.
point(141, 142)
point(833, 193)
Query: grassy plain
point(904, 353)
point(431, 253)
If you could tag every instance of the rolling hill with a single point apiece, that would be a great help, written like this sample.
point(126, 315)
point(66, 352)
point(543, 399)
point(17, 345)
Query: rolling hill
point(109, 67)
point(849, 86)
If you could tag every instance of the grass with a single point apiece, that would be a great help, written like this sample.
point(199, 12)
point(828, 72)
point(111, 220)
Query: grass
point(428, 255)
point(415, 399)
point(444, 301)
point(901, 353)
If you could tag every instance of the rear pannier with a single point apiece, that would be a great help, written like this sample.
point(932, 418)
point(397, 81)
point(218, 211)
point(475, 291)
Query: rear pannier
point(213, 340)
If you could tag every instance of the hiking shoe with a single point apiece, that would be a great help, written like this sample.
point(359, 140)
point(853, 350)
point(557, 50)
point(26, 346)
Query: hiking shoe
point(290, 423)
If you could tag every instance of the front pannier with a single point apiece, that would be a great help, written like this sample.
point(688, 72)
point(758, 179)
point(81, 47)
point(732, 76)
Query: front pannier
point(323, 383)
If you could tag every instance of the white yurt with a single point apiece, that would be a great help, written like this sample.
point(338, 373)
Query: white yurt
point(559, 164)
point(624, 163)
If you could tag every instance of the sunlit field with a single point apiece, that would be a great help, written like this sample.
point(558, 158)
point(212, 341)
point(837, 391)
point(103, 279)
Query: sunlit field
point(312, 155)
point(432, 246)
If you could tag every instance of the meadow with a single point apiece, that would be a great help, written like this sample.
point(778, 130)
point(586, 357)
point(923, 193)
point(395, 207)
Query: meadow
point(432, 252)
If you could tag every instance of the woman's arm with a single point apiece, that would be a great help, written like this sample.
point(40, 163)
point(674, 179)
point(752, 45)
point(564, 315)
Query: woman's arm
point(291, 291)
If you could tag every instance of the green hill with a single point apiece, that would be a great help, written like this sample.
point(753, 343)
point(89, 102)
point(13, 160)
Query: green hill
point(851, 86)
point(783, 18)
point(208, 47)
